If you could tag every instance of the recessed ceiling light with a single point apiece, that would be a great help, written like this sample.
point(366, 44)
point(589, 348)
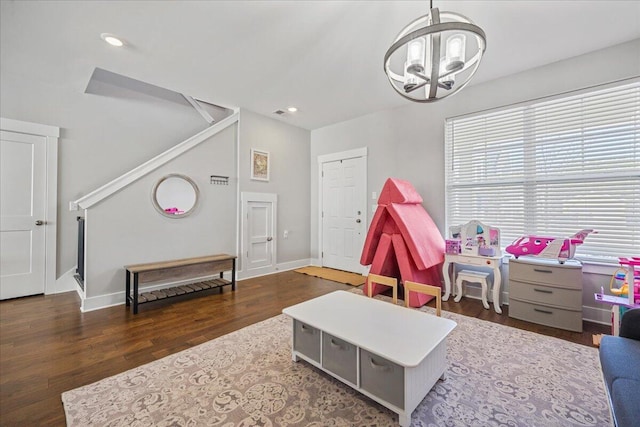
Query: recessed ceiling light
point(111, 39)
point(292, 109)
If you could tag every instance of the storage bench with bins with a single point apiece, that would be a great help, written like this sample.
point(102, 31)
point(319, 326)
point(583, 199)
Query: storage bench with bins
point(392, 354)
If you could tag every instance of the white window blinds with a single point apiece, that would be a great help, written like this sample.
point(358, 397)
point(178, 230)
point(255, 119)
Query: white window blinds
point(552, 167)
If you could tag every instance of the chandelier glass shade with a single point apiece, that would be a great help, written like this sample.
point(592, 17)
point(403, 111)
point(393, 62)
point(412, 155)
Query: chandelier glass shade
point(434, 56)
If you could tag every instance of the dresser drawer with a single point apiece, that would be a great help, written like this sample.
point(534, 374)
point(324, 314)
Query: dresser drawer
point(382, 378)
point(339, 357)
point(306, 340)
point(566, 276)
point(544, 315)
point(546, 295)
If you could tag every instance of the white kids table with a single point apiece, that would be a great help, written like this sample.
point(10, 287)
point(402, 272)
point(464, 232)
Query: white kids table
point(390, 353)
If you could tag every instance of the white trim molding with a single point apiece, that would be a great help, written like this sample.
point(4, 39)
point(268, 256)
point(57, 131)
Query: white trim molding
point(343, 155)
point(29, 128)
point(51, 134)
point(122, 181)
point(67, 282)
point(279, 268)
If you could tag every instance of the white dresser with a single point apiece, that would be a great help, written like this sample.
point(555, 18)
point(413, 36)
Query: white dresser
point(546, 292)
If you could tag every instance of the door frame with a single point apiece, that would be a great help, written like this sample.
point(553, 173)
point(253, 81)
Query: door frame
point(51, 135)
point(333, 157)
point(245, 198)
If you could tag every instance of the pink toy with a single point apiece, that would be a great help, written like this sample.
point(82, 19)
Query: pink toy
point(548, 247)
point(452, 246)
point(403, 241)
point(174, 211)
point(632, 265)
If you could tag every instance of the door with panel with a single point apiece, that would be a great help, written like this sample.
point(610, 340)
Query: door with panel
point(343, 213)
point(22, 211)
point(259, 217)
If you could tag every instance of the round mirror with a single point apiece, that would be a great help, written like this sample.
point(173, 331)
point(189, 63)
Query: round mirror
point(175, 195)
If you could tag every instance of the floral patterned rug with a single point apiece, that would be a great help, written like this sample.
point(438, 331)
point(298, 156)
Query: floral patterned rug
point(498, 376)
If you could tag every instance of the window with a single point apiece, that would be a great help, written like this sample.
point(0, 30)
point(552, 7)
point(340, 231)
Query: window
point(552, 167)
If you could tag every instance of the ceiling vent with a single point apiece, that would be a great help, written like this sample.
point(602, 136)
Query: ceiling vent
point(279, 112)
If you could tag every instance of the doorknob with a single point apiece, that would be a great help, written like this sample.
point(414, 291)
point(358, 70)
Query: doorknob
point(358, 221)
point(269, 239)
point(39, 222)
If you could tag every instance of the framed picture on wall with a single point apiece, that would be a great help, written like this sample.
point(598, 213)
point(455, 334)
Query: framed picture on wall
point(259, 165)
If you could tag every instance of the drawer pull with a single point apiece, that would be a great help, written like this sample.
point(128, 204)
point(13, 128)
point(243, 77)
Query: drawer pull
point(335, 344)
point(305, 328)
point(542, 271)
point(543, 311)
point(378, 366)
point(544, 291)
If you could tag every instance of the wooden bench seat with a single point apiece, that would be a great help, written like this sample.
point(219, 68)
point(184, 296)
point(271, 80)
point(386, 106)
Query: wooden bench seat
point(181, 269)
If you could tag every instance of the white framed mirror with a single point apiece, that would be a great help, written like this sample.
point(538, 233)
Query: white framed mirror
point(175, 195)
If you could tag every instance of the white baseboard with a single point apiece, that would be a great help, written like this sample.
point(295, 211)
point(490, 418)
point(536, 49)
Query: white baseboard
point(66, 282)
point(316, 262)
point(118, 298)
point(284, 266)
point(599, 315)
point(102, 301)
point(589, 314)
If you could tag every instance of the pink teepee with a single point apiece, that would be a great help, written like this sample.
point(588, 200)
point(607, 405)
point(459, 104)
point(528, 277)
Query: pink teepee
point(403, 241)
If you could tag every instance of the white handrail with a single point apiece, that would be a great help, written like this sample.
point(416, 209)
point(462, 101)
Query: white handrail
point(133, 175)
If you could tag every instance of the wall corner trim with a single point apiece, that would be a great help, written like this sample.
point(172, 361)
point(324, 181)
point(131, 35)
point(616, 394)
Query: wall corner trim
point(133, 175)
point(30, 128)
point(343, 155)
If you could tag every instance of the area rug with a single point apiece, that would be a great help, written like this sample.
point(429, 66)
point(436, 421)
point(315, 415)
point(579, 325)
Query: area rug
point(497, 376)
point(340, 276)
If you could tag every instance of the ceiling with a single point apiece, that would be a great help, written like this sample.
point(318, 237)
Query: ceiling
point(324, 57)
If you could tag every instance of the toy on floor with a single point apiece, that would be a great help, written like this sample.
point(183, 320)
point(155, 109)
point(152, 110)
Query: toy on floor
point(625, 287)
point(403, 241)
point(558, 248)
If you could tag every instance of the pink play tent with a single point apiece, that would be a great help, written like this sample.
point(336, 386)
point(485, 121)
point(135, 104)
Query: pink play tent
point(403, 241)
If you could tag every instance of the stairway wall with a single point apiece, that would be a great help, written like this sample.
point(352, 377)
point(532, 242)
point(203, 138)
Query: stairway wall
point(126, 229)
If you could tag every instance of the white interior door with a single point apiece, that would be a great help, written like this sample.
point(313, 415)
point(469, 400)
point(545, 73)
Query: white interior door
point(22, 209)
point(343, 213)
point(259, 231)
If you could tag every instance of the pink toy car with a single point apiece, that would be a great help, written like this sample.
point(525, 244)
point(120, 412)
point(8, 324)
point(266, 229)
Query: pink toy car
point(548, 247)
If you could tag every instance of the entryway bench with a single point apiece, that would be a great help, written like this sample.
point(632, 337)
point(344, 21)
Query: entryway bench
point(181, 269)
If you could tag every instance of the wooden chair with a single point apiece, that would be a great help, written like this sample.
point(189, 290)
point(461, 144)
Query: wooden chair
point(424, 289)
point(383, 280)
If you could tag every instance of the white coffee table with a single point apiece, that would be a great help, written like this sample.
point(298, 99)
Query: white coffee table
point(392, 354)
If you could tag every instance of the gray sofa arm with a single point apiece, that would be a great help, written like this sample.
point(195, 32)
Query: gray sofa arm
point(630, 324)
point(620, 361)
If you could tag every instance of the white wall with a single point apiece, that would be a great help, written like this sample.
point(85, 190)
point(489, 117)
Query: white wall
point(126, 229)
point(103, 137)
point(288, 147)
point(100, 137)
point(408, 142)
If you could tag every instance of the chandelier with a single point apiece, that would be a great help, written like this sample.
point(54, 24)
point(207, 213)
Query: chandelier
point(434, 56)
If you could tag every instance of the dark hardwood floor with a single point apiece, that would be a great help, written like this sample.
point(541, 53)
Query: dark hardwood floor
point(47, 346)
